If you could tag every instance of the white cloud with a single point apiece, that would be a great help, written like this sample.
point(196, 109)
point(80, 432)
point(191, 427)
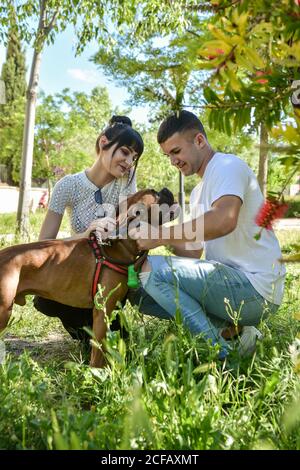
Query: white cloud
point(84, 75)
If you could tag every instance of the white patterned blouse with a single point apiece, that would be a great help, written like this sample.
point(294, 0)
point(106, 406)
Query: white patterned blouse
point(76, 194)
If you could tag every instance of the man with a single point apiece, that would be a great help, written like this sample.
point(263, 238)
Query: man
point(241, 280)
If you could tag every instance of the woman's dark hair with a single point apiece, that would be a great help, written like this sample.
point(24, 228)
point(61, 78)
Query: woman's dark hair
point(179, 122)
point(120, 120)
point(119, 131)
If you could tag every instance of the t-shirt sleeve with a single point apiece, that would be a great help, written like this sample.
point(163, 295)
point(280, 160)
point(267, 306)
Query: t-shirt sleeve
point(61, 195)
point(231, 179)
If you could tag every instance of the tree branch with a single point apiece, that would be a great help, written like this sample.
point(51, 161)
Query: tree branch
point(50, 25)
point(194, 33)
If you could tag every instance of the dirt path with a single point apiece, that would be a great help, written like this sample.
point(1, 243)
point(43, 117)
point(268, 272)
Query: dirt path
point(55, 346)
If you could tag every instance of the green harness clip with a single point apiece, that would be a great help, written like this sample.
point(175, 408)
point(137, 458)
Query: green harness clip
point(133, 280)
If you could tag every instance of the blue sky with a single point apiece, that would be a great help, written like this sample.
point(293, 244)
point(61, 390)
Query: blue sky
point(61, 69)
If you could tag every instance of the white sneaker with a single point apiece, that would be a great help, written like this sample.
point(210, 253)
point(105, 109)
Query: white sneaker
point(247, 340)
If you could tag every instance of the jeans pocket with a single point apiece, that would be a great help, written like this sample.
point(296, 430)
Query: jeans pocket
point(238, 289)
point(256, 309)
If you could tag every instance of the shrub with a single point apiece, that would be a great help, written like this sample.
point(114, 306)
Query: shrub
point(294, 207)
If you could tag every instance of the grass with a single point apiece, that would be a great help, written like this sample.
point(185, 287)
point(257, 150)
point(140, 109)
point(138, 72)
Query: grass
point(8, 226)
point(162, 390)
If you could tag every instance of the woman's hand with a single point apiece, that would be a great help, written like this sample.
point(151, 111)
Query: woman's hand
point(103, 227)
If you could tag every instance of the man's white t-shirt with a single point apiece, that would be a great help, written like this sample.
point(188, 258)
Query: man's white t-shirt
point(224, 175)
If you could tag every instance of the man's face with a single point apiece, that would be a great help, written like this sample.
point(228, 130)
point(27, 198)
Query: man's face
point(184, 151)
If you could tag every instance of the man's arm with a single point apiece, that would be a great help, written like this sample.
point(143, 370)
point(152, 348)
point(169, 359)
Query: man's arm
point(219, 221)
point(184, 252)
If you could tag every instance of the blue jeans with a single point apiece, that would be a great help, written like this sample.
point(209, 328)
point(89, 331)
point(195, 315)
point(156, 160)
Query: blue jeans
point(209, 295)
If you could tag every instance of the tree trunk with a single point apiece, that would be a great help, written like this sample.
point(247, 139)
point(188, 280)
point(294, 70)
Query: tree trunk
point(28, 135)
point(49, 186)
point(263, 159)
point(27, 148)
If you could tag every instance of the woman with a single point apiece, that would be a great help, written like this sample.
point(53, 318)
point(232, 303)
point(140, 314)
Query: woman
point(89, 195)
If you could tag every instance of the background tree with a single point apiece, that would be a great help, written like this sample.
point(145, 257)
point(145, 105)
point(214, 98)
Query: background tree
point(254, 56)
point(13, 75)
point(164, 74)
point(246, 38)
point(250, 51)
point(159, 72)
point(67, 125)
point(14, 68)
point(11, 132)
point(95, 20)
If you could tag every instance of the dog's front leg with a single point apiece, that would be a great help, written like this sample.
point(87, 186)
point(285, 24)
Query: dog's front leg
point(99, 330)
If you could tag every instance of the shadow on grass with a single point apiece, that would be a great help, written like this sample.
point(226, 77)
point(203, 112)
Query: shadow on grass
point(54, 347)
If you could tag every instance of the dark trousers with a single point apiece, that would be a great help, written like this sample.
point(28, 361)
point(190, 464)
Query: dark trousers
point(73, 318)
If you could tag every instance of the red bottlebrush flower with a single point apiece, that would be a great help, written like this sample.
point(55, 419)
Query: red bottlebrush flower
point(217, 53)
point(262, 81)
point(271, 210)
point(260, 73)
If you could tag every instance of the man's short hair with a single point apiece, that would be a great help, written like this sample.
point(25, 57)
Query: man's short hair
point(179, 122)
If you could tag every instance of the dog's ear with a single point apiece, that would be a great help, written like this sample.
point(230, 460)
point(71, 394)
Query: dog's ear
point(166, 197)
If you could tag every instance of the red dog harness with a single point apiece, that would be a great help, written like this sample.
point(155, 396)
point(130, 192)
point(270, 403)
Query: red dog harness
point(100, 261)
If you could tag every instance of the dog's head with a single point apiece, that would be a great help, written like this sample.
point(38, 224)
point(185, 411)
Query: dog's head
point(147, 205)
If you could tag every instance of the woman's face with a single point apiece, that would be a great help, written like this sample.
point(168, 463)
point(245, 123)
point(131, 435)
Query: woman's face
point(118, 164)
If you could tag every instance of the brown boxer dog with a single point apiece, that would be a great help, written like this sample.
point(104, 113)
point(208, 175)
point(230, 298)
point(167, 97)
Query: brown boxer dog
point(63, 270)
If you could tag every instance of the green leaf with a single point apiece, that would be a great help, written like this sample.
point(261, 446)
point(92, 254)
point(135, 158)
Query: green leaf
point(227, 124)
point(254, 58)
point(243, 61)
point(210, 95)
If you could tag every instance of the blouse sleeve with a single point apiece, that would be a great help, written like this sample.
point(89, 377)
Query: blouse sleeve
point(61, 195)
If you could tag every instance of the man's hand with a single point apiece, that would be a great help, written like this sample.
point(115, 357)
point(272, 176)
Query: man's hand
point(146, 236)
